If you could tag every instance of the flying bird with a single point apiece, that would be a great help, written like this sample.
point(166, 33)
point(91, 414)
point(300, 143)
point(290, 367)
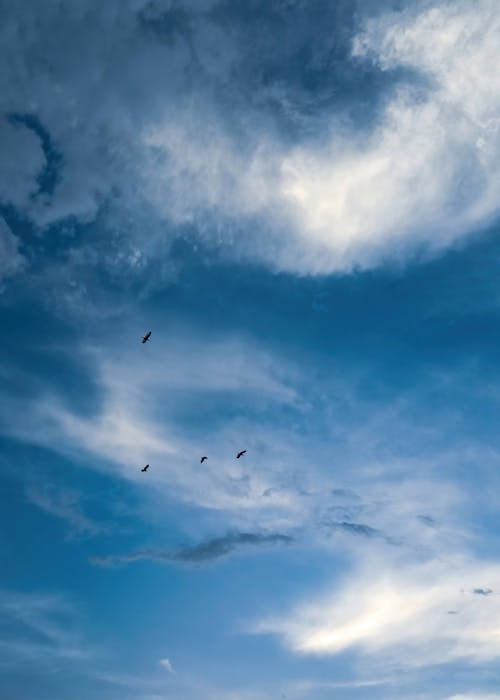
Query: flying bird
point(144, 469)
point(146, 337)
point(203, 459)
point(240, 454)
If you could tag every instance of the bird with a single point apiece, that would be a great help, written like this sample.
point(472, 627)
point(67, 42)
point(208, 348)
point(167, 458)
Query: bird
point(203, 459)
point(144, 469)
point(240, 454)
point(146, 337)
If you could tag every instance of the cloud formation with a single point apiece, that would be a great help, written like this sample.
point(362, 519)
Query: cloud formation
point(359, 529)
point(427, 173)
point(167, 664)
point(134, 423)
point(201, 553)
point(44, 629)
point(66, 505)
point(398, 612)
point(420, 176)
point(285, 481)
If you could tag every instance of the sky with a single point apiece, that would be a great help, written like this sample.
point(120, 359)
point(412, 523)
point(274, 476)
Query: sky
point(300, 199)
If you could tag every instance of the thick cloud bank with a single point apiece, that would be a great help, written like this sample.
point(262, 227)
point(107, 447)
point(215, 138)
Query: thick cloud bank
point(184, 111)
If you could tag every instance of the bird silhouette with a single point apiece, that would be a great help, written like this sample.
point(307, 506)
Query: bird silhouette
point(240, 454)
point(146, 337)
point(203, 459)
point(144, 469)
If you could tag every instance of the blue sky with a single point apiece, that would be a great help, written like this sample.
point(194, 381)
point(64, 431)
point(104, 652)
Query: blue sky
point(300, 200)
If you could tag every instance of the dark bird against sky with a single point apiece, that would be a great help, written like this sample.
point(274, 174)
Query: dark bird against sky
point(144, 469)
point(240, 454)
point(146, 337)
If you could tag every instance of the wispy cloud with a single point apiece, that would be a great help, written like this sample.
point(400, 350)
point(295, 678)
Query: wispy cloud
point(399, 612)
point(65, 504)
point(355, 196)
point(135, 422)
point(447, 112)
point(43, 633)
point(285, 480)
point(359, 529)
point(167, 664)
point(366, 193)
point(43, 629)
point(202, 553)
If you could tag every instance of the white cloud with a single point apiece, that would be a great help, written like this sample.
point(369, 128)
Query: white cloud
point(166, 663)
point(422, 177)
point(425, 175)
point(428, 173)
point(408, 614)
